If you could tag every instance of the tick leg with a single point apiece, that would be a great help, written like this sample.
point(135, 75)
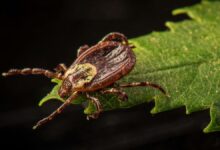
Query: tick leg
point(134, 84)
point(33, 71)
point(115, 36)
point(121, 95)
point(82, 49)
point(98, 106)
point(56, 112)
point(61, 68)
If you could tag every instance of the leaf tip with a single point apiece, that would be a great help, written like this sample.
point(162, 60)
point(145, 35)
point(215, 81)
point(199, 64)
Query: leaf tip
point(170, 25)
point(206, 130)
point(89, 109)
point(86, 111)
point(179, 11)
point(56, 81)
point(45, 99)
point(154, 110)
point(40, 103)
point(188, 112)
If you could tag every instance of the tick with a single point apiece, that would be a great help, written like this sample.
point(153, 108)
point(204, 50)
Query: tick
point(96, 68)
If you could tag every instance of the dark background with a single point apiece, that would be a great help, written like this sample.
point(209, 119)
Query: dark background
point(44, 33)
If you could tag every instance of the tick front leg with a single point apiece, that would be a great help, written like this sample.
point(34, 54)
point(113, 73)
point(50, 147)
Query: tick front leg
point(115, 36)
point(61, 68)
point(33, 71)
point(98, 106)
point(121, 95)
point(134, 84)
point(82, 49)
point(56, 112)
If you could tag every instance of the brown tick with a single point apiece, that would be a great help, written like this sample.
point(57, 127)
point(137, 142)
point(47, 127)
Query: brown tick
point(95, 69)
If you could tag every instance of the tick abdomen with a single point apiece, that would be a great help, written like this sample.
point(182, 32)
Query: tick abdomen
point(112, 61)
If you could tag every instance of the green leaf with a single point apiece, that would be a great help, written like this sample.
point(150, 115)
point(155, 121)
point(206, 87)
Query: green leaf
point(54, 95)
point(184, 60)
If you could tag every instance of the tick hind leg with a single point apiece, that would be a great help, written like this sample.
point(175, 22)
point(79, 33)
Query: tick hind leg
point(82, 49)
point(115, 36)
point(121, 95)
point(134, 84)
point(33, 71)
point(97, 104)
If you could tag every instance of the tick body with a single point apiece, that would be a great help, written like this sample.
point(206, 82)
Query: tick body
point(96, 68)
point(112, 60)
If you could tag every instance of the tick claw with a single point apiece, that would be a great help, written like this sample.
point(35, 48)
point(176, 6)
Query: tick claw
point(34, 127)
point(4, 74)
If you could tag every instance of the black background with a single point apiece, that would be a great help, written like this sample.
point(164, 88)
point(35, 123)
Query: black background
point(44, 33)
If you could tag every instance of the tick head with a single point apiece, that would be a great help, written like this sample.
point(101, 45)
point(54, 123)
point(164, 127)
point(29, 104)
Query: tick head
point(65, 89)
